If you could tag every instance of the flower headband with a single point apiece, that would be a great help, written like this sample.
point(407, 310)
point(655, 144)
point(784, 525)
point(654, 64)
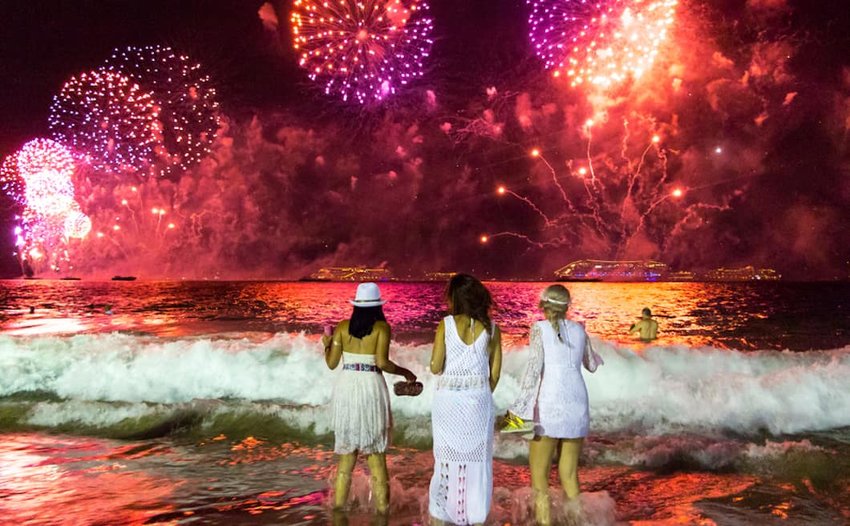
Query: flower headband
point(546, 298)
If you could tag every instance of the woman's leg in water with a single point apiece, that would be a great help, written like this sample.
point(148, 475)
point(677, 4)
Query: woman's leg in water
point(380, 482)
point(540, 453)
point(343, 479)
point(568, 465)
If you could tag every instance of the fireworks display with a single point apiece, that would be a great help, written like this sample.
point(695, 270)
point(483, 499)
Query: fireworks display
point(611, 200)
point(362, 50)
point(10, 180)
point(601, 43)
point(108, 119)
point(39, 178)
point(186, 103)
point(471, 117)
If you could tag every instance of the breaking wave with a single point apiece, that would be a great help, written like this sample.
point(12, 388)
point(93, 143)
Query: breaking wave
point(127, 385)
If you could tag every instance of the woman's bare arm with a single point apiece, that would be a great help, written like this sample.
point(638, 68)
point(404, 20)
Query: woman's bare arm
point(438, 354)
point(495, 357)
point(333, 347)
point(382, 354)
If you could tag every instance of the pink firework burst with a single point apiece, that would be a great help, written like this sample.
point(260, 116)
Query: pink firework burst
point(36, 157)
point(601, 43)
point(362, 50)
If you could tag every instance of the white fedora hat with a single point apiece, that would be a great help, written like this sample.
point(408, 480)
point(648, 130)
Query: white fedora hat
point(368, 295)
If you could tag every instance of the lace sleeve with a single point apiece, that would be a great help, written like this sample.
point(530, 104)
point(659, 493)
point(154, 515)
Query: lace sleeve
point(591, 360)
point(524, 404)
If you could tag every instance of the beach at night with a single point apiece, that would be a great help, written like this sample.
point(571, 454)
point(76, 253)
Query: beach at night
point(196, 197)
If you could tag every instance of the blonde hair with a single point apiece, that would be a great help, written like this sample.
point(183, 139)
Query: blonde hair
point(555, 300)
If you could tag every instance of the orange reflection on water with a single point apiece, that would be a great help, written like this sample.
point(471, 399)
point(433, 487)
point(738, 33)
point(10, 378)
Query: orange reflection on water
point(69, 481)
point(672, 499)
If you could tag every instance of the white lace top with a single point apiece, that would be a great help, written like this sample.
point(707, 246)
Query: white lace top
point(552, 392)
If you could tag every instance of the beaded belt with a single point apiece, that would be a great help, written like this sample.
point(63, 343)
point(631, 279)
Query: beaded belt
point(365, 367)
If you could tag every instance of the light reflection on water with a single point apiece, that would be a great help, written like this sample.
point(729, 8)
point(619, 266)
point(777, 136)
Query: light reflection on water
point(799, 316)
point(62, 480)
point(68, 481)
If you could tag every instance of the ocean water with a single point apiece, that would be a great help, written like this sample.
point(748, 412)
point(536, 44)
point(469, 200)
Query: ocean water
point(205, 403)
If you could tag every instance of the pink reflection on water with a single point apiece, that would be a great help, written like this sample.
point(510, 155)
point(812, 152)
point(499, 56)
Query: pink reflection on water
point(70, 481)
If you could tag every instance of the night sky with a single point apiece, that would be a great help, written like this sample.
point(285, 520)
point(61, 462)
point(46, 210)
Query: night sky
point(751, 100)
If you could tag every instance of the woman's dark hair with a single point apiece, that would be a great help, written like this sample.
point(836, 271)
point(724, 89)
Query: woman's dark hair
point(469, 296)
point(363, 319)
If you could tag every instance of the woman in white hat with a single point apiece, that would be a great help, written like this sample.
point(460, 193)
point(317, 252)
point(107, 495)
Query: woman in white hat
point(361, 402)
point(554, 397)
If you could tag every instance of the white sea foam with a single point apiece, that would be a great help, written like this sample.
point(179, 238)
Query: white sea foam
point(664, 389)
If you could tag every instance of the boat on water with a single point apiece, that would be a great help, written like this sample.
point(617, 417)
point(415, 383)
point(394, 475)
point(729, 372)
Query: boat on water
point(123, 278)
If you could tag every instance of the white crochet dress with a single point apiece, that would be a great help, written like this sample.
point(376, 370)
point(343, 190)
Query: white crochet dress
point(462, 426)
point(360, 406)
point(553, 393)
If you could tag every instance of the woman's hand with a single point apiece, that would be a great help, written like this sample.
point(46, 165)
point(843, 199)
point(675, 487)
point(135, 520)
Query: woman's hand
point(408, 375)
point(326, 341)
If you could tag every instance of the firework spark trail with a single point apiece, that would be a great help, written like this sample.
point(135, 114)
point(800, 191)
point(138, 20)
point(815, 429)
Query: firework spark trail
point(538, 244)
point(554, 174)
point(624, 149)
point(363, 50)
point(531, 204)
point(598, 223)
point(692, 211)
point(598, 188)
point(633, 177)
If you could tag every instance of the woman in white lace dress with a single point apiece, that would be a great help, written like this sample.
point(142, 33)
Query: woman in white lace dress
point(361, 403)
point(467, 357)
point(554, 396)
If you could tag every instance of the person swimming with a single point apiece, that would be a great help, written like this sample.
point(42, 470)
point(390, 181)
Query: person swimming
point(647, 327)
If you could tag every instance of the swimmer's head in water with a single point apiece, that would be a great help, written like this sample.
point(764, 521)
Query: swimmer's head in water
point(646, 312)
point(556, 300)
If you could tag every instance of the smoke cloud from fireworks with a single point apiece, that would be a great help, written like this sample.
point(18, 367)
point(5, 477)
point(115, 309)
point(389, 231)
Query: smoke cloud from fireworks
point(285, 191)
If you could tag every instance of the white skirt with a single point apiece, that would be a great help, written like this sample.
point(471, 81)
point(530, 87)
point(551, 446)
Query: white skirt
point(361, 413)
point(461, 488)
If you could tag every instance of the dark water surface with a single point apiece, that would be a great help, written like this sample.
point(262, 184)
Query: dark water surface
point(746, 316)
point(205, 403)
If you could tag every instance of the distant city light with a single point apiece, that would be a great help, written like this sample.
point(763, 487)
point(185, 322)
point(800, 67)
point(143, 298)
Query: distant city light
point(535, 152)
point(677, 192)
point(484, 238)
point(718, 150)
point(582, 171)
point(501, 190)
point(656, 139)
